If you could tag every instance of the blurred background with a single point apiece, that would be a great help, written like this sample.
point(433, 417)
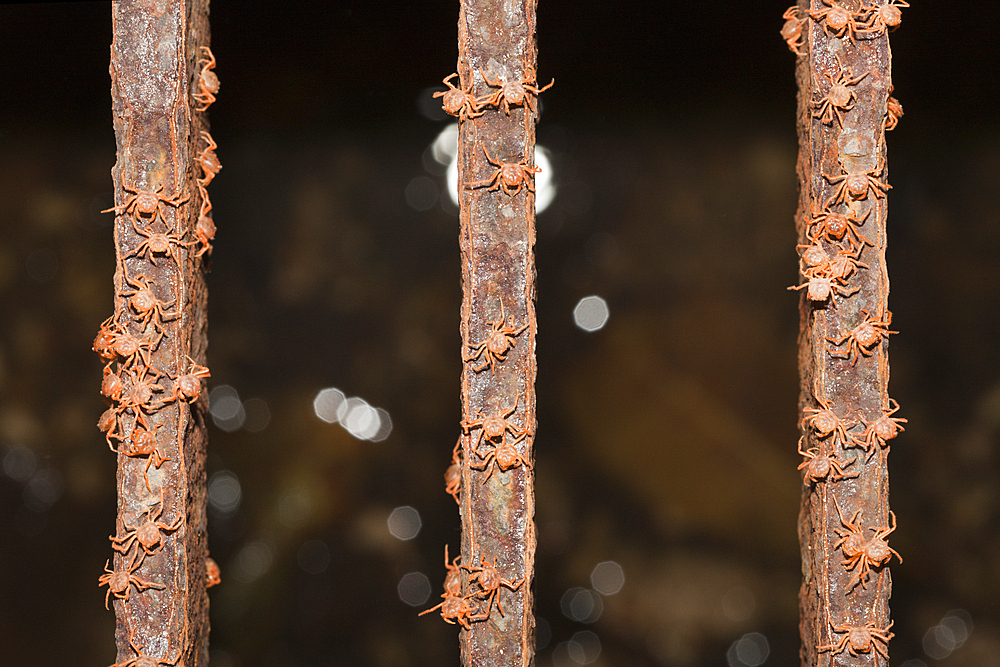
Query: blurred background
point(667, 493)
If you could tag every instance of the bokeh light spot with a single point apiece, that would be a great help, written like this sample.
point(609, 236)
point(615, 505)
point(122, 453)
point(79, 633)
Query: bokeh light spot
point(414, 588)
point(591, 313)
point(582, 605)
point(224, 492)
point(404, 523)
point(327, 404)
point(750, 650)
point(607, 578)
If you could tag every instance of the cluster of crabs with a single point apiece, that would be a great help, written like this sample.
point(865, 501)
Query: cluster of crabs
point(511, 177)
point(129, 344)
point(829, 258)
point(503, 442)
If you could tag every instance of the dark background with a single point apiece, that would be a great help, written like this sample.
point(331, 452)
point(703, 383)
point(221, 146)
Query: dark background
point(666, 440)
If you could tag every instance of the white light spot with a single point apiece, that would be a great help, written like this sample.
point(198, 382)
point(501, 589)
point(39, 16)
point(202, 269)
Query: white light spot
point(584, 648)
point(385, 426)
point(224, 492)
point(414, 588)
point(607, 578)
point(258, 415)
point(582, 605)
point(738, 603)
point(591, 313)
point(226, 408)
point(43, 489)
point(421, 193)
point(19, 463)
point(362, 421)
point(948, 635)
point(314, 557)
point(750, 650)
point(327, 403)
point(253, 560)
point(445, 146)
point(545, 189)
point(404, 523)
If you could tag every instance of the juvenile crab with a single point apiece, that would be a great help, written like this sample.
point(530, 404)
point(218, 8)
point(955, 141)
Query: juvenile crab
point(893, 111)
point(208, 82)
point(504, 455)
point(456, 609)
point(835, 227)
point(822, 466)
point(509, 175)
point(488, 578)
point(453, 475)
point(141, 659)
point(821, 286)
point(791, 31)
point(105, 340)
point(494, 426)
point(213, 574)
point(145, 203)
point(111, 385)
point(884, 17)
point(839, 98)
point(458, 102)
point(863, 554)
point(843, 265)
point(514, 92)
point(140, 395)
point(861, 639)
point(498, 342)
point(145, 304)
point(855, 185)
point(838, 20)
point(862, 337)
point(824, 421)
point(110, 425)
point(814, 257)
point(205, 230)
point(143, 443)
point(884, 428)
point(159, 243)
point(119, 582)
point(208, 160)
point(148, 535)
point(187, 386)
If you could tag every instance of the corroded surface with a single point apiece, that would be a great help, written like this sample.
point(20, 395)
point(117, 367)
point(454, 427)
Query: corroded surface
point(153, 65)
point(496, 39)
point(854, 387)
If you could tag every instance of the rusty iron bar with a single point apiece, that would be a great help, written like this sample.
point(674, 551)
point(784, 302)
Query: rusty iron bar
point(844, 110)
point(496, 42)
point(159, 430)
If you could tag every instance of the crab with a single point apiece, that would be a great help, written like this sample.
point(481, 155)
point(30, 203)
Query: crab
point(148, 535)
point(494, 426)
point(884, 17)
point(111, 385)
point(821, 286)
point(453, 475)
point(835, 227)
point(213, 574)
point(105, 339)
point(791, 31)
point(839, 98)
point(838, 20)
point(822, 466)
point(456, 609)
point(855, 185)
point(458, 102)
point(862, 338)
point(109, 424)
point(145, 203)
point(143, 443)
point(208, 160)
point(505, 456)
point(863, 554)
point(824, 421)
point(159, 243)
point(141, 659)
point(893, 110)
point(205, 231)
point(140, 395)
point(208, 82)
point(498, 342)
point(514, 92)
point(187, 386)
point(488, 578)
point(145, 304)
point(884, 428)
point(509, 176)
point(861, 639)
point(119, 582)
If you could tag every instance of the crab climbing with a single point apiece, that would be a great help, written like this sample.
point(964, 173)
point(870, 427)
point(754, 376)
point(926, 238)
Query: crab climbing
point(498, 342)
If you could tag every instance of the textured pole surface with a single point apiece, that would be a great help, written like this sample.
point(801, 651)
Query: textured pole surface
point(497, 46)
point(844, 109)
point(160, 298)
